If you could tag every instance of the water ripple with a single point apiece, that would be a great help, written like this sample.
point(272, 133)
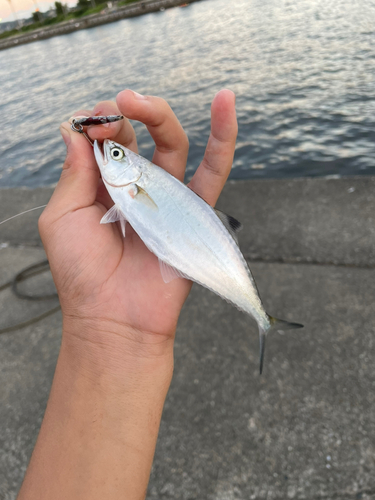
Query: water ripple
point(303, 73)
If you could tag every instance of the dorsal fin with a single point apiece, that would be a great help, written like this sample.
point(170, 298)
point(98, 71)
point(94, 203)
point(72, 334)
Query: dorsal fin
point(231, 224)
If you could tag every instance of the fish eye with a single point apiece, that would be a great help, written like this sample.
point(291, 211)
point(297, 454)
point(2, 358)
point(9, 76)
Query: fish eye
point(117, 153)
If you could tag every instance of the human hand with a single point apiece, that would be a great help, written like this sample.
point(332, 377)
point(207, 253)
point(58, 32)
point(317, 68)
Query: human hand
point(114, 368)
point(108, 285)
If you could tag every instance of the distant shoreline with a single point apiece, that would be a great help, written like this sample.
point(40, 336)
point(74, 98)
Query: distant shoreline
point(132, 10)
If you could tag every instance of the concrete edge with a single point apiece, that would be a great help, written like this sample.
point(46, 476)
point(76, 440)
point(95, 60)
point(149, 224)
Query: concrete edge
point(311, 220)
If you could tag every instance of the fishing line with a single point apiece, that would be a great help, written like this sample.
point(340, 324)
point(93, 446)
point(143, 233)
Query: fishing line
point(22, 213)
point(26, 273)
point(23, 275)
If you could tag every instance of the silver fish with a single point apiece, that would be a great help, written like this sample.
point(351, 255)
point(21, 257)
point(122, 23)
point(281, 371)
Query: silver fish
point(190, 238)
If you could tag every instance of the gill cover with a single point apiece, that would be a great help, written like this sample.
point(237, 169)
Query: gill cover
point(116, 163)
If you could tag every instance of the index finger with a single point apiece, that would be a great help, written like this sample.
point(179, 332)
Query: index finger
point(171, 142)
point(119, 131)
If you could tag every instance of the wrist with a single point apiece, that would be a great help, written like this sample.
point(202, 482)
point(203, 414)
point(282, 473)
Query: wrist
point(101, 346)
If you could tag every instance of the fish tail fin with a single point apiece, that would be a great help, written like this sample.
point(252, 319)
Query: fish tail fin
point(275, 325)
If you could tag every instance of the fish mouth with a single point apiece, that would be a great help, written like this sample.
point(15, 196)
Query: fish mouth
point(100, 153)
point(101, 150)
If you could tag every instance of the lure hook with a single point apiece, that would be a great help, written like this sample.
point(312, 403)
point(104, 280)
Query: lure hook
point(78, 122)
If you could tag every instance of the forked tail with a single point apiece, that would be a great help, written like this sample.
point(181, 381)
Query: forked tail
point(275, 325)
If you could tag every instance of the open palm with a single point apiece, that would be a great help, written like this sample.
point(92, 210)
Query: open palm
point(114, 284)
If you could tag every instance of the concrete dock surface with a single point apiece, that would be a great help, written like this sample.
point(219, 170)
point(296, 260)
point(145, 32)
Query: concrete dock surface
point(305, 429)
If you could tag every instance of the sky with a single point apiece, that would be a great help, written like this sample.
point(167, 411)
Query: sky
point(24, 8)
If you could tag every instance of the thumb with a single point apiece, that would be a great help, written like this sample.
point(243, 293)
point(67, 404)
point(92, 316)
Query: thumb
point(78, 182)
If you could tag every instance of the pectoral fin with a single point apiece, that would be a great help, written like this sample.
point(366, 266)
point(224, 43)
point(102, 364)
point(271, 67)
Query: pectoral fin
point(114, 214)
point(139, 194)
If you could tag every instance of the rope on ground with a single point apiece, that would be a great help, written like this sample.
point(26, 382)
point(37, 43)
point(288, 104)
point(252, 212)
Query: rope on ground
point(23, 275)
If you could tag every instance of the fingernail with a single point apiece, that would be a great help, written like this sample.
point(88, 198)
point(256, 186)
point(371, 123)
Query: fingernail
point(65, 135)
point(138, 96)
point(75, 117)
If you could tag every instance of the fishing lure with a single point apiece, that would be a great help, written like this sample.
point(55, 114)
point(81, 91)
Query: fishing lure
point(84, 121)
point(78, 122)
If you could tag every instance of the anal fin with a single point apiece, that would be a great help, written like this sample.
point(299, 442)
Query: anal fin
point(169, 273)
